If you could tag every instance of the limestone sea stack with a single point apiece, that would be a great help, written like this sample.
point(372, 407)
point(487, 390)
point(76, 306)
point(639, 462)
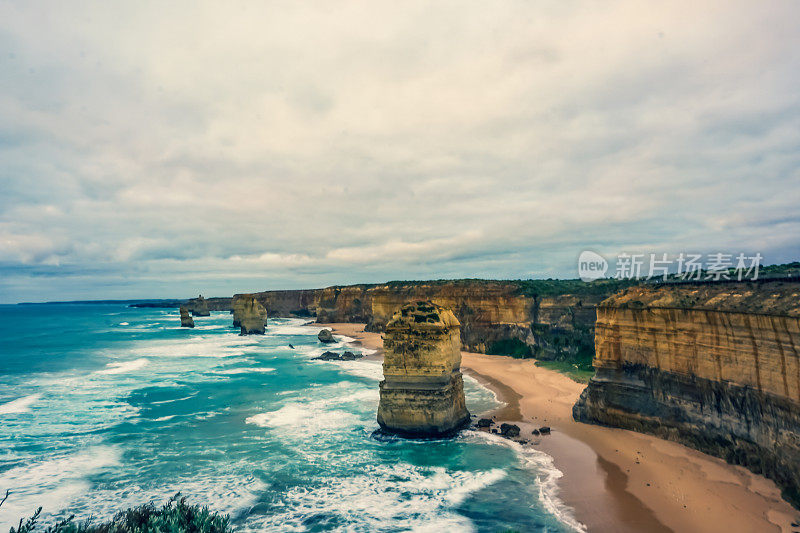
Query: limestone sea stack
point(252, 317)
point(422, 394)
point(186, 320)
point(199, 307)
point(237, 307)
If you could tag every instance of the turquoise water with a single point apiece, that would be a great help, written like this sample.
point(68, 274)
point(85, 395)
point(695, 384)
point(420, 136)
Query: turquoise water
point(103, 407)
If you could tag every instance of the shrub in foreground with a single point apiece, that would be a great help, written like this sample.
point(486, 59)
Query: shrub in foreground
point(175, 516)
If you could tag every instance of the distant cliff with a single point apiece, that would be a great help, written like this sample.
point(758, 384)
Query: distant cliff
point(716, 367)
point(549, 319)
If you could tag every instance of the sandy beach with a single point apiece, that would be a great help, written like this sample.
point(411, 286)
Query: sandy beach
point(618, 480)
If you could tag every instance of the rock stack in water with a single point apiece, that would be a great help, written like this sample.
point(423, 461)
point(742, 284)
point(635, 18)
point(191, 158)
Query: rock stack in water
point(422, 394)
point(199, 307)
point(186, 320)
point(237, 307)
point(252, 316)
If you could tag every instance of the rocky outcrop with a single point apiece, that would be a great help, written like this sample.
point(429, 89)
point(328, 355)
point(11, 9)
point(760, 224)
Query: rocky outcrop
point(198, 306)
point(238, 304)
point(422, 394)
point(488, 312)
point(333, 356)
point(186, 320)
point(549, 319)
point(716, 367)
point(250, 315)
point(325, 336)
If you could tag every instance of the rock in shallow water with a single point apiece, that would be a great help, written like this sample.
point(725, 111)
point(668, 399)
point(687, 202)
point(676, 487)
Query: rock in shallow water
point(333, 356)
point(325, 336)
point(252, 317)
point(422, 394)
point(509, 430)
point(186, 320)
point(485, 422)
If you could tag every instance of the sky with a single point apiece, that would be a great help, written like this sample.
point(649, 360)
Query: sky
point(166, 149)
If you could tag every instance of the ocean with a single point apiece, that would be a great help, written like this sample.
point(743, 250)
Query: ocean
point(103, 407)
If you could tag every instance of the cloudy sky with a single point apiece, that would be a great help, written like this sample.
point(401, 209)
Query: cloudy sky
point(166, 149)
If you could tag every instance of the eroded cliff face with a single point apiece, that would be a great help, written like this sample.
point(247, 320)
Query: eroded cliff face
point(487, 311)
point(248, 314)
point(198, 306)
point(422, 393)
point(716, 367)
point(549, 319)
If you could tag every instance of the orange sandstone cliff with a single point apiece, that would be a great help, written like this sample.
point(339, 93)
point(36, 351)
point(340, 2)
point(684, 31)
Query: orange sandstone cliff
point(550, 319)
point(716, 367)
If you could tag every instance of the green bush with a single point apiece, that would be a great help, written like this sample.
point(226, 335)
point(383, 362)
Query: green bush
point(513, 347)
point(175, 516)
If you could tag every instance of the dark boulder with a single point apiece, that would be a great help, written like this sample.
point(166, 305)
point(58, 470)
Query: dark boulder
point(485, 422)
point(544, 430)
point(535, 432)
point(333, 356)
point(328, 356)
point(509, 430)
point(325, 336)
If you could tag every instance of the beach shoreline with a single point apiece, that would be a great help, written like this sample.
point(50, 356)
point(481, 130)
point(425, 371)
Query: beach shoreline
point(618, 480)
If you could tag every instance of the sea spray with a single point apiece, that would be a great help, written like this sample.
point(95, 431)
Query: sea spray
point(246, 424)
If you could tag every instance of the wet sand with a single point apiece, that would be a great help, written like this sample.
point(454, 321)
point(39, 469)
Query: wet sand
point(618, 480)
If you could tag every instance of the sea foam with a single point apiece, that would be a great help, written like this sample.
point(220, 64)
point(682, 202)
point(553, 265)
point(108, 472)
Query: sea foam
point(310, 417)
point(20, 405)
point(547, 475)
point(244, 370)
point(124, 367)
point(53, 483)
point(400, 496)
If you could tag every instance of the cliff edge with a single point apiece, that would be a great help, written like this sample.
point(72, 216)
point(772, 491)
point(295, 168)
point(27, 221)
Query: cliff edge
point(715, 367)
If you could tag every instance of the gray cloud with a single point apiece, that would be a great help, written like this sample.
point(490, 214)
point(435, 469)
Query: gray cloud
point(160, 150)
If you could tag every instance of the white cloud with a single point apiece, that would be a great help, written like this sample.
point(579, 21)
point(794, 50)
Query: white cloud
point(159, 143)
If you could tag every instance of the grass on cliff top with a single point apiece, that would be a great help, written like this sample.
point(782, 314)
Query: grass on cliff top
point(527, 287)
point(574, 371)
point(575, 287)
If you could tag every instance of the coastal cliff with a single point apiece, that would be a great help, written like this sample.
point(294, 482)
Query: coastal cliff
point(547, 319)
point(198, 306)
point(489, 312)
point(422, 393)
point(715, 367)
